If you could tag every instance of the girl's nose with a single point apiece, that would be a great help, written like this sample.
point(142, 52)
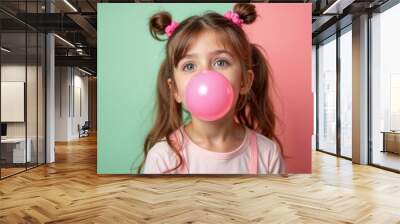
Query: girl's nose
point(206, 66)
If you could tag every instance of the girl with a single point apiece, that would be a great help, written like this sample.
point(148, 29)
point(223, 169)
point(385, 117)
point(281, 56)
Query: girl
point(241, 139)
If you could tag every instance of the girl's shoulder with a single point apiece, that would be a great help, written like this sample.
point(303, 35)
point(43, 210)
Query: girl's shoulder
point(270, 155)
point(161, 148)
point(266, 145)
point(159, 158)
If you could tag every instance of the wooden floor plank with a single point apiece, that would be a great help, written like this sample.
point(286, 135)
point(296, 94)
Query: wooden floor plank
point(70, 191)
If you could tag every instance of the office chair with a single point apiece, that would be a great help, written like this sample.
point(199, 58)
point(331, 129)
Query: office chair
point(84, 130)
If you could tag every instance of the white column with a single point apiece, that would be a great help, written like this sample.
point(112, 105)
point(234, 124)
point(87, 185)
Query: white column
point(360, 90)
point(50, 110)
point(50, 92)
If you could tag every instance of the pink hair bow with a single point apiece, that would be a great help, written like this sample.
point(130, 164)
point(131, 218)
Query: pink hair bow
point(169, 30)
point(234, 17)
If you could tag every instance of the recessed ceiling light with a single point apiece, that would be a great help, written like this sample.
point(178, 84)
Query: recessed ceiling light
point(64, 40)
point(84, 71)
point(338, 6)
point(70, 5)
point(5, 50)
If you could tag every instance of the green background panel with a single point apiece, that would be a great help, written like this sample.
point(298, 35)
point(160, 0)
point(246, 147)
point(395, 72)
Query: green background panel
point(128, 62)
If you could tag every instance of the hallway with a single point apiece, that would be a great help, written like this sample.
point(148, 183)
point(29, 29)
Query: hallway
point(70, 191)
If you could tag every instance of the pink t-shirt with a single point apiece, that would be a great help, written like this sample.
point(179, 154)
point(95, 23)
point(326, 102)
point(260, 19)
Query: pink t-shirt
point(202, 161)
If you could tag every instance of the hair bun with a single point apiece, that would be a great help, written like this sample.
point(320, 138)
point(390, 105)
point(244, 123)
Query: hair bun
point(246, 11)
point(158, 22)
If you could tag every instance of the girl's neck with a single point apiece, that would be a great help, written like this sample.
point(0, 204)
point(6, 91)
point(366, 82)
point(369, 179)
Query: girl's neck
point(215, 131)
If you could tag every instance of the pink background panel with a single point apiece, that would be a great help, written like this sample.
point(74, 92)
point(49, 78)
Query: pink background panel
point(284, 32)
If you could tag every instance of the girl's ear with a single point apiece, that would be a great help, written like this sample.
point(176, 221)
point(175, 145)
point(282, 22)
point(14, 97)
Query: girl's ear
point(247, 82)
point(174, 91)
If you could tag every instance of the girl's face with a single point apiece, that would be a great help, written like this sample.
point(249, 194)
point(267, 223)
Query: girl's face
point(208, 53)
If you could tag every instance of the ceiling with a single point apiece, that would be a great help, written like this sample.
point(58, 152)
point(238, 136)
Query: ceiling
point(75, 22)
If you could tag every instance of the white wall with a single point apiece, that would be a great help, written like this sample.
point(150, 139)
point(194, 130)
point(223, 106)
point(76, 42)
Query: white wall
point(15, 72)
point(9, 73)
point(62, 81)
point(70, 83)
point(79, 117)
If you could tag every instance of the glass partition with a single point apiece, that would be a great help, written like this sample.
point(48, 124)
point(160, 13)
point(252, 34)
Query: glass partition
point(22, 77)
point(13, 109)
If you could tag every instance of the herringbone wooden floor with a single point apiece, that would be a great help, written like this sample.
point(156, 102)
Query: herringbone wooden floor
point(70, 191)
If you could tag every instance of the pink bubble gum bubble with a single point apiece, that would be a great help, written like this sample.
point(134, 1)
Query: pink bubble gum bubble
point(209, 96)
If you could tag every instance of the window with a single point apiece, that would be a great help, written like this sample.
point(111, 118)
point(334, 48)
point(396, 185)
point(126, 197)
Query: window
point(346, 92)
point(385, 89)
point(327, 95)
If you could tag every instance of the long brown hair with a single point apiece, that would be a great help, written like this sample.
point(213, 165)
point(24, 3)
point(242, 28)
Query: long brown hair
point(254, 110)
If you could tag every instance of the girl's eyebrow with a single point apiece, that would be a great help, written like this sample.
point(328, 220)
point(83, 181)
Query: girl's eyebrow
point(221, 52)
point(216, 52)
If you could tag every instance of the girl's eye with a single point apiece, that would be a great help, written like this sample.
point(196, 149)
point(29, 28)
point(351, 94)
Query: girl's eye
point(188, 67)
point(221, 63)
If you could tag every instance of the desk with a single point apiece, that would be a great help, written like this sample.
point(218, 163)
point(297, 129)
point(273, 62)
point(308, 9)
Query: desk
point(391, 141)
point(17, 150)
